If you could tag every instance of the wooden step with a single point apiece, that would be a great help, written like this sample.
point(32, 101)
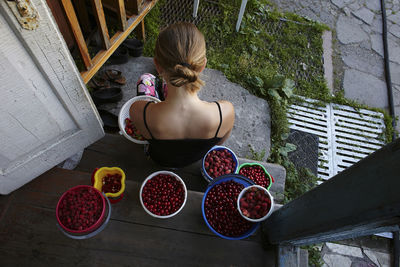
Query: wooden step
point(115, 150)
point(30, 236)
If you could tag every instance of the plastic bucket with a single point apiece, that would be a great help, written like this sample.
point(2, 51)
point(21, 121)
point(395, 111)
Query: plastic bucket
point(266, 192)
point(100, 222)
point(269, 177)
point(102, 172)
point(239, 179)
point(149, 178)
point(203, 169)
point(124, 114)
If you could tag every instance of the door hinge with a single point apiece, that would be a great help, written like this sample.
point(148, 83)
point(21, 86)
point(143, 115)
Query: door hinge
point(25, 12)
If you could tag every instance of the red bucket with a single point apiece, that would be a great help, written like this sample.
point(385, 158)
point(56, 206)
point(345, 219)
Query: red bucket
point(86, 196)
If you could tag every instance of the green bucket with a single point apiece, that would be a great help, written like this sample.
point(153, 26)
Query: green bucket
point(270, 178)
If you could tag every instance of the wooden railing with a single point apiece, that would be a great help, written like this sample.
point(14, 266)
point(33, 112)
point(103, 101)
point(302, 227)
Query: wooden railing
point(130, 13)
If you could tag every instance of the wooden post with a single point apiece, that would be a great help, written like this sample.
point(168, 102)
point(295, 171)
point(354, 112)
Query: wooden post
point(101, 23)
point(76, 30)
point(122, 14)
point(362, 200)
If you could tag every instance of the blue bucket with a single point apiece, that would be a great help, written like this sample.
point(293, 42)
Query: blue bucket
point(203, 169)
point(228, 177)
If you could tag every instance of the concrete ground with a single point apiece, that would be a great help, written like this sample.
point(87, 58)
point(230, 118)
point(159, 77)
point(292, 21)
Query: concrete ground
point(252, 122)
point(358, 69)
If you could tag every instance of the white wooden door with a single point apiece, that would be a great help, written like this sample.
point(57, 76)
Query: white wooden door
point(46, 113)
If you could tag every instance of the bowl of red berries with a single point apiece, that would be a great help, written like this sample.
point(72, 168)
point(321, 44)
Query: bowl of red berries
point(255, 203)
point(219, 208)
point(81, 210)
point(257, 173)
point(218, 161)
point(126, 126)
point(163, 194)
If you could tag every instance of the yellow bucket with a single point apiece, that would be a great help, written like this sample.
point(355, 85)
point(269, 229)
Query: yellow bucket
point(102, 172)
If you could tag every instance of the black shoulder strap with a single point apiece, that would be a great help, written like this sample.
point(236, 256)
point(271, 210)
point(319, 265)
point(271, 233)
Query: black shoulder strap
point(220, 117)
point(144, 119)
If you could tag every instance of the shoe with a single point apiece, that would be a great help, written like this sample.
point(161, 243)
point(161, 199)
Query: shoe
point(134, 46)
point(107, 95)
point(109, 119)
point(120, 56)
point(114, 76)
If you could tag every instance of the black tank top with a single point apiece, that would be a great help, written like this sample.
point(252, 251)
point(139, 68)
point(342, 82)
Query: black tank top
point(177, 153)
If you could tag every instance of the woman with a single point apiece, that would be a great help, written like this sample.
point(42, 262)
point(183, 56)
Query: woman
point(181, 129)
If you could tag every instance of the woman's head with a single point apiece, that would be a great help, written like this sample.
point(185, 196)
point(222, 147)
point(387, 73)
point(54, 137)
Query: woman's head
point(181, 54)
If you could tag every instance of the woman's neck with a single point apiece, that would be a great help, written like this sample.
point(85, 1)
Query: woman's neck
point(180, 95)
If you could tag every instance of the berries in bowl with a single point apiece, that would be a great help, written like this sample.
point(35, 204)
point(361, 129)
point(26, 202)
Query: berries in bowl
point(110, 181)
point(255, 203)
point(81, 210)
point(163, 194)
point(218, 161)
point(219, 208)
point(257, 173)
point(125, 124)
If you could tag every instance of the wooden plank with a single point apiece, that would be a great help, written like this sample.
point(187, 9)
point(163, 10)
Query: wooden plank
point(101, 23)
point(83, 15)
point(29, 235)
point(116, 40)
point(140, 31)
point(76, 30)
point(122, 15)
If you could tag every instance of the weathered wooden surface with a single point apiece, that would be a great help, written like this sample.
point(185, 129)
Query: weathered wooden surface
point(30, 237)
point(115, 150)
point(46, 112)
point(362, 200)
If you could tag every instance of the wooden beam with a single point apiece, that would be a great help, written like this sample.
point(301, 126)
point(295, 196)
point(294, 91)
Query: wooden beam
point(362, 200)
point(122, 14)
point(77, 32)
point(140, 31)
point(83, 15)
point(116, 40)
point(101, 23)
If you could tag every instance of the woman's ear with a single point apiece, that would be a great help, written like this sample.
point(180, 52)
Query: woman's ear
point(204, 66)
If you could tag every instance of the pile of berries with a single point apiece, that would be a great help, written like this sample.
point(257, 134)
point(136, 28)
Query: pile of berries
point(111, 183)
point(219, 162)
point(81, 208)
point(255, 203)
point(257, 174)
point(131, 130)
point(163, 194)
point(220, 208)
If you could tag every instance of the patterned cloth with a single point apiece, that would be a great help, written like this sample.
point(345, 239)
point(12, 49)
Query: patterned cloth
point(148, 84)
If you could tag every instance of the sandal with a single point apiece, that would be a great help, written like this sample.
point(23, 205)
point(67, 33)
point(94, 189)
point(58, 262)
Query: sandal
point(115, 76)
point(98, 82)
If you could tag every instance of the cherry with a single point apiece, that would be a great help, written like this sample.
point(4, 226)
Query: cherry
point(163, 194)
point(219, 162)
point(221, 211)
point(255, 173)
point(111, 183)
point(79, 209)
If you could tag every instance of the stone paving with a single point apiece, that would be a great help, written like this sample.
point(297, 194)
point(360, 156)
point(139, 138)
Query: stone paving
point(358, 45)
point(358, 69)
